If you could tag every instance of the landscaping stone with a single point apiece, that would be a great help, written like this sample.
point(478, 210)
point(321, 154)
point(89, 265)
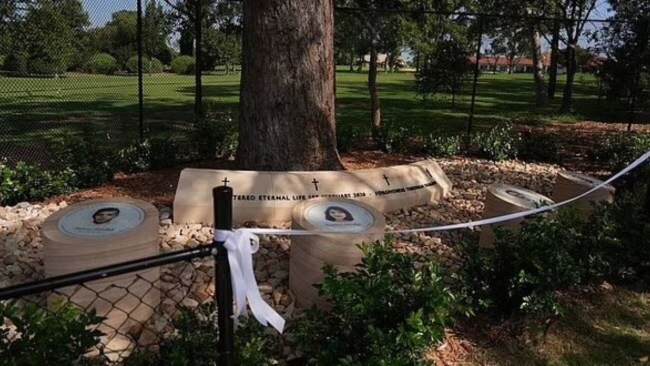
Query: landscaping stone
point(191, 284)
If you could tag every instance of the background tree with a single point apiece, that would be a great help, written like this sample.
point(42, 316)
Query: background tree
point(575, 13)
point(626, 72)
point(377, 32)
point(156, 28)
point(287, 111)
point(43, 42)
point(444, 71)
point(9, 18)
point(511, 43)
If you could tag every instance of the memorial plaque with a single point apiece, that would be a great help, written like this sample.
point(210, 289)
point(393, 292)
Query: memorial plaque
point(359, 223)
point(269, 197)
point(98, 233)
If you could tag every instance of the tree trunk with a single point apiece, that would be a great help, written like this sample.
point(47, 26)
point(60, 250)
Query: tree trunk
point(352, 60)
point(287, 113)
point(567, 96)
point(375, 111)
point(552, 73)
point(538, 68)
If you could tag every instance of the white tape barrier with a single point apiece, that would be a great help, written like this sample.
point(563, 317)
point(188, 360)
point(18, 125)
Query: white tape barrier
point(243, 243)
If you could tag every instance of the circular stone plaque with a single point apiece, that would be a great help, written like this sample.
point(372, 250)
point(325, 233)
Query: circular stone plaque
point(340, 217)
point(341, 224)
point(102, 219)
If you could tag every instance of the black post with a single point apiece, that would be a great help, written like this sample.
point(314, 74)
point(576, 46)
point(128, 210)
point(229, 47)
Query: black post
point(140, 87)
point(198, 60)
point(476, 72)
point(222, 200)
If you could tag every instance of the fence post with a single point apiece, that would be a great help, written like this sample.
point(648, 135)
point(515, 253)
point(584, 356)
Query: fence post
point(140, 87)
point(475, 82)
point(222, 200)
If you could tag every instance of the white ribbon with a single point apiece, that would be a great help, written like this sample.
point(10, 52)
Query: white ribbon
point(241, 245)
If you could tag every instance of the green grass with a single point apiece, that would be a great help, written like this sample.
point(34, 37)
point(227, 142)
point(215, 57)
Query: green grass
point(598, 329)
point(33, 109)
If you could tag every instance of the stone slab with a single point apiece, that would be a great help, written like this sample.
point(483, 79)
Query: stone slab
point(269, 197)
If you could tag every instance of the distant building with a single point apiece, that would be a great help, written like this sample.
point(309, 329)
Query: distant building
point(503, 64)
point(383, 61)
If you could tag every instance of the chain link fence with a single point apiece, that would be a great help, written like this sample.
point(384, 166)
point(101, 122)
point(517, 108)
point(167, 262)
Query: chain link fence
point(115, 317)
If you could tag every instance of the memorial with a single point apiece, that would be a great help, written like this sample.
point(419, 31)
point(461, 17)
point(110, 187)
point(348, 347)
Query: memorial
point(353, 221)
point(505, 199)
point(98, 233)
point(269, 197)
point(571, 184)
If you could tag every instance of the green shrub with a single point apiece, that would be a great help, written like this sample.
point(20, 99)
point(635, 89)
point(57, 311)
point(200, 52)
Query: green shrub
point(215, 136)
point(621, 150)
point(499, 143)
point(539, 147)
point(441, 145)
point(155, 66)
point(394, 138)
point(87, 155)
point(163, 153)
point(16, 62)
point(44, 66)
point(101, 63)
point(155, 153)
point(350, 138)
point(26, 182)
point(524, 270)
point(134, 158)
point(194, 342)
point(60, 337)
point(183, 65)
point(149, 65)
point(387, 313)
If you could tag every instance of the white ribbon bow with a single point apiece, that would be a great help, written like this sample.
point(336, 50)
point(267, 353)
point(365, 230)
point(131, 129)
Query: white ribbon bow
point(241, 245)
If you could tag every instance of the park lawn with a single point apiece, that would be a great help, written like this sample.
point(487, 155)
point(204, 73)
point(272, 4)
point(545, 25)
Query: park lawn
point(611, 328)
point(33, 108)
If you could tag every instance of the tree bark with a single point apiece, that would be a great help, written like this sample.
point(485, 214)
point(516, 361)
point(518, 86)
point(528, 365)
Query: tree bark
point(287, 111)
point(555, 52)
point(375, 110)
point(538, 68)
point(571, 65)
point(352, 60)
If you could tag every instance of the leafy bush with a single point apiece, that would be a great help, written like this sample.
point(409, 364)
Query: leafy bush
point(499, 143)
point(149, 65)
point(26, 182)
point(87, 155)
point(394, 138)
point(441, 145)
point(60, 337)
point(101, 63)
point(16, 62)
point(163, 153)
point(134, 158)
point(155, 66)
point(215, 136)
point(539, 147)
point(621, 150)
point(194, 342)
point(525, 269)
point(349, 138)
point(150, 154)
point(183, 65)
point(387, 313)
point(45, 66)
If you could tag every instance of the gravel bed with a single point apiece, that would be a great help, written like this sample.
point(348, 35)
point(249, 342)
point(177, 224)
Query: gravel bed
point(21, 248)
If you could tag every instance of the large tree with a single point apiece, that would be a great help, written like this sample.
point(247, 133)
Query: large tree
point(575, 14)
point(287, 114)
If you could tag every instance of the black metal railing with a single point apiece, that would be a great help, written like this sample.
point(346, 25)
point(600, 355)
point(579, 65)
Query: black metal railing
point(132, 295)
